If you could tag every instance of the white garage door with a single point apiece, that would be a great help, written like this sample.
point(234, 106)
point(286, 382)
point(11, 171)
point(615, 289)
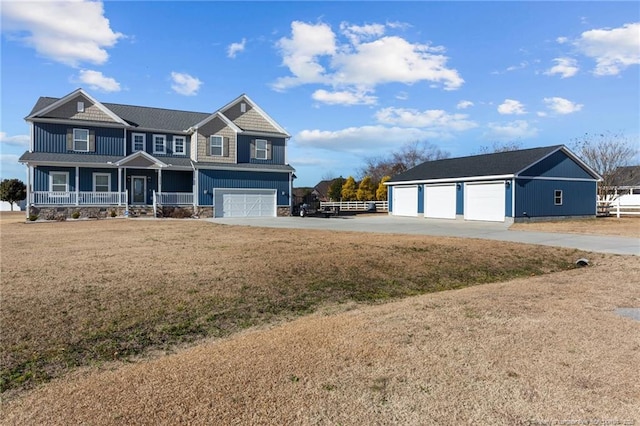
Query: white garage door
point(405, 201)
point(245, 202)
point(440, 201)
point(484, 201)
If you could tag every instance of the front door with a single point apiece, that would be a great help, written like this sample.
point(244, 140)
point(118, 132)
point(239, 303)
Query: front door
point(139, 190)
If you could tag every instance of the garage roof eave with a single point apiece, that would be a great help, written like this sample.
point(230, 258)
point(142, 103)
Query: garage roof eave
point(450, 180)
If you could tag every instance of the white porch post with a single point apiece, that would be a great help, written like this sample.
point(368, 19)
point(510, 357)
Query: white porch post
point(126, 201)
point(77, 185)
point(120, 191)
point(160, 180)
point(194, 189)
point(28, 190)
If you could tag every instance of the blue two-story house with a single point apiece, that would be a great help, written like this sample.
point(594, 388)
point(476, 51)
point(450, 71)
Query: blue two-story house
point(85, 154)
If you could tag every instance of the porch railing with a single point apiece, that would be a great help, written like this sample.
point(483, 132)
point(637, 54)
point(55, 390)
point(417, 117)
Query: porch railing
point(174, 198)
point(60, 198)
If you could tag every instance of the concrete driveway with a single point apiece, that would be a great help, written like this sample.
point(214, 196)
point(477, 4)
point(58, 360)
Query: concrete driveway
point(449, 228)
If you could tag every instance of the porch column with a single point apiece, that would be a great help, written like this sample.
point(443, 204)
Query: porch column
point(28, 189)
point(194, 189)
point(160, 180)
point(77, 185)
point(120, 191)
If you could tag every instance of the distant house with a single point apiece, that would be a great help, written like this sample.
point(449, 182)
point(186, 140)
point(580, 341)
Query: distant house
point(626, 180)
point(321, 190)
point(5, 206)
point(85, 154)
point(547, 182)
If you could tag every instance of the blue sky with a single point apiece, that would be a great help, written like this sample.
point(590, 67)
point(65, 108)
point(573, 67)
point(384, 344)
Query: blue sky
point(348, 80)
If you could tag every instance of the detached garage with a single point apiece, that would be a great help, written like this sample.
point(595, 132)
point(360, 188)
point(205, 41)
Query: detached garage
point(547, 182)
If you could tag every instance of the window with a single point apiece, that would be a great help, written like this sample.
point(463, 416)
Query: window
point(179, 145)
point(261, 149)
point(101, 182)
point(138, 142)
point(80, 140)
point(217, 147)
point(243, 107)
point(59, 181)
point(557, 197)
point(80, 107)
point(159, 144)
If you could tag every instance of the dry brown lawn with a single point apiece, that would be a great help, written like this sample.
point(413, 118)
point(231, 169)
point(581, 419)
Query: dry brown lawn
point(624, 226)
point(94, 315)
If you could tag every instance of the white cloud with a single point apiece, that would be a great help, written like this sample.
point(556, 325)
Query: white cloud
point(402, 96)
point(17, 140)
point(70, 32)
point(562, 106)
point(360, 140)
point(565, 67)
point(343, 97)
point(434, 119)
point(562, 40)
point(356, 33)
point(184, 84)
point(464, 104)
point(613, 49)
point(510, 131)
point(97, 81)
point(361, 60)
point(235, 48)
point(511, 107)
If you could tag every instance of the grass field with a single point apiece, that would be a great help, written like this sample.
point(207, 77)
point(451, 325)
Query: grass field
point(81, 300)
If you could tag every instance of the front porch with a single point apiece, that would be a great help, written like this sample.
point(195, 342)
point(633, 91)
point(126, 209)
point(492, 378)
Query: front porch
point(108, 199)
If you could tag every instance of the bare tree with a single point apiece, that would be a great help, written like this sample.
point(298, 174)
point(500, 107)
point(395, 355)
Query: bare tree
point(605, 153)
point(408, 156)
point(500, 147)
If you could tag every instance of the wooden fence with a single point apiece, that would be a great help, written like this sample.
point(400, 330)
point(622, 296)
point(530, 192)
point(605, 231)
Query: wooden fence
point(363, 206)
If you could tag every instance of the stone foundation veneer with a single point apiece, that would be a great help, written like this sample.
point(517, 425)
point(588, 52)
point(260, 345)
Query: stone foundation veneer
point(86, 212)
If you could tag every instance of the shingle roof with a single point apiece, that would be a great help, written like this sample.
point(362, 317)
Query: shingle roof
point(626, 176)
point(144, 117)
point(501, 163)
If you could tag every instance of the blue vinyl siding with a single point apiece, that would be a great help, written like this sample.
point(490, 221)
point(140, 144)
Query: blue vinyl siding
point(50, 137)
point(420, 199)
point(277, 150)
point(86, 178)
point(168, 144)
point(177, 181)
point(557, 164)
point(508, 197)
point(210, 179)
point(41, 177)
point(536, 198)
point(460, 198)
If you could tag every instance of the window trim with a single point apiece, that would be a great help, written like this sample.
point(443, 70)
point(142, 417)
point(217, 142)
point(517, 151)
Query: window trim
point(265, 150)
point(164, 144)
point(557, 197)
point(75, 139)
point(133, 142)
point(80, 106)
point(66, 177)
point(184, 145)
point(211, 146)
point(108, 175)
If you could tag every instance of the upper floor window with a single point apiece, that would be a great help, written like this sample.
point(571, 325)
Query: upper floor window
point(557, 197)
point(138, 142)
point(179, 143)
point(217, 145)
point(159, 144)
point(261, 149)
point(80, 107)
point(59, 181)
point(80, 140)
point(243, 107)
point(101, 182)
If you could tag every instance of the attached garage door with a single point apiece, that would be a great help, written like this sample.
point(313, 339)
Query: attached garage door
point(440, 201)
point(405, 201)
point(485, 201)
point(245, 202)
